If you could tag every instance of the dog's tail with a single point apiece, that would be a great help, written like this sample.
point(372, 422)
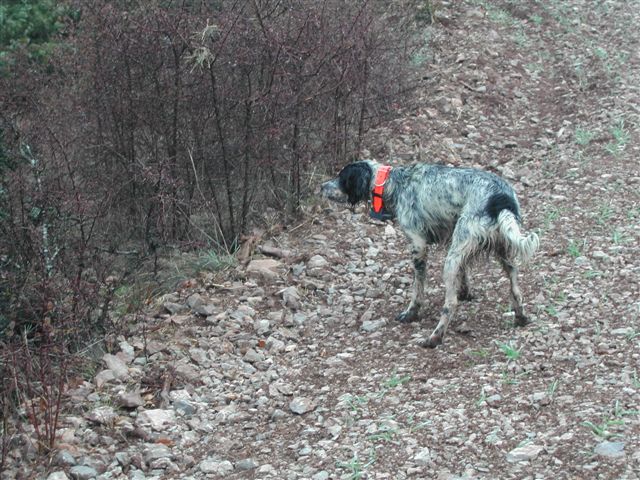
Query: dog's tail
point(523, 246)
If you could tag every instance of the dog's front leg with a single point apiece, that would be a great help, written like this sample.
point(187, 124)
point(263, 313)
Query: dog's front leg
point(452, 279)
point(419, 255)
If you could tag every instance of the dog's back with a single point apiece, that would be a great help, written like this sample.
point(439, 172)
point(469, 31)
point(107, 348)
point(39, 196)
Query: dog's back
point(430, 199)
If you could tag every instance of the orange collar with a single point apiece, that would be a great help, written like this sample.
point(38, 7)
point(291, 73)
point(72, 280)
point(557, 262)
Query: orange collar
point(377, 205)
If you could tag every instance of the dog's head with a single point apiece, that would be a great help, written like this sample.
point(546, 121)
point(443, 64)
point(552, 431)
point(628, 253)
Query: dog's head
point(352, 185)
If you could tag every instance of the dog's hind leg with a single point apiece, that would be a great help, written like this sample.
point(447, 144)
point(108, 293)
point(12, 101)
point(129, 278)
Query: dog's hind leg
point(419, 256)
point(464, 293)
point(515, 296)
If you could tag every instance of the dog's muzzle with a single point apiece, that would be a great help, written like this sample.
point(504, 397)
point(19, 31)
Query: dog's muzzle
point(332, 191)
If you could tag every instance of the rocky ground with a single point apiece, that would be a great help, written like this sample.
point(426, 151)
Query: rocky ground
point(293, 367)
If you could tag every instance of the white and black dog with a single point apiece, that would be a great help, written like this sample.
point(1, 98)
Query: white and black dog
point(469, 210)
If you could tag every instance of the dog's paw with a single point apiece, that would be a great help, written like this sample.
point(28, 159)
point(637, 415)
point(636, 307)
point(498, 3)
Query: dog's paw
point(466, 296)
point(432, 342)
point(407, 317)
point(522, 320)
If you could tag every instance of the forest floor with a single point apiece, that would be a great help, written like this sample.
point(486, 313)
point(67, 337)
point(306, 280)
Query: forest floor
point(294, 367)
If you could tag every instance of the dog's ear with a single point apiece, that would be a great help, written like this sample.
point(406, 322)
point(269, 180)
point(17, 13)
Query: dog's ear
point(355, 181)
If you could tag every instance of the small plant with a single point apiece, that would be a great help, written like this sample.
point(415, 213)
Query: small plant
point(590, 274)
point(583, 137)
point(482, 399)
point(384, 435)
point(509, 379)
point(414, 427)
point(395, 380)
point(632, 335)
point(355, 403)
point(551, 216)
point(553, 387)
point(620, 412)
point(213, 261)
point(601, 53)
point(604, 214)
point(498, 15)
point(355, 467)
point(480, 353)
point(574, 249)
point(520, 38)
point(536, 19)
point(617, 237)
point(551, 310)
point(510, 351)
point(603, 430)
point(621, 136)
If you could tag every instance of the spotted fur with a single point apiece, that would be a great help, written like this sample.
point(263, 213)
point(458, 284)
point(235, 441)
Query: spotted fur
point(469, 210)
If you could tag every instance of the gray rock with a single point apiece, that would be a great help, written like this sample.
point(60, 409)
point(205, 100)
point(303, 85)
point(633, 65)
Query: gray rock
point(175, 308)
point(195, 300)
point(252, 356)
point(317, 261)
point(301, 405)
point(246, 464)
point(64, 459)
point(389, 231)
point(157, 419)
point(291, 297)
point(262, 327)
point(102, 415)
point(610, 449)
point(267, 470)
point(130, 399)
point(216, 467)
point(82, 472)
point(321, 475)
point(266, 268)
point(541, 398)
point(600, 255)
point(184, 407)
point(524, 453)
point(423, 457)
point(154, 451)
point(199, 356)
point(299, 319)
point(116, 365)
point(123, 459)
point(103, 377)
point(370, 326)
point(581, 261)
point(623, 332)
point(243, 312)
point(127, 352)
point(188, 372)
point(275, 345)
point(205, 310)
point(57, 476)
point(278, 414)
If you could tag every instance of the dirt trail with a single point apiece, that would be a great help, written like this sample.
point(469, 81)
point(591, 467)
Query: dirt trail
point(299, 371)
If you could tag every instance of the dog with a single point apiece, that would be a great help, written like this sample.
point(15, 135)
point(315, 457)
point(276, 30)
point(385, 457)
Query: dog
point(469, 210)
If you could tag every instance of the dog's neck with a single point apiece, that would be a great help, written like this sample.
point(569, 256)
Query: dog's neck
point(379, 210)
